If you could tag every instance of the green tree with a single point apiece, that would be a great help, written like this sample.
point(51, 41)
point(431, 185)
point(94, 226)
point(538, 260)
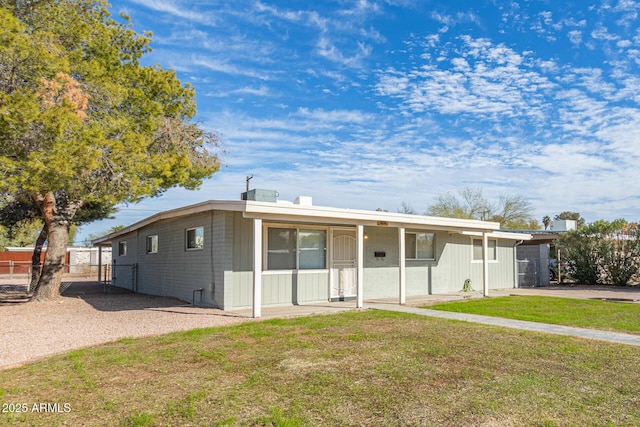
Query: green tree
point(83, 123)
point(21, 222)
point(546, 220)
point(512, 212)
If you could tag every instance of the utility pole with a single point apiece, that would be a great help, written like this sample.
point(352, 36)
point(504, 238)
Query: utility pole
point(248, 179)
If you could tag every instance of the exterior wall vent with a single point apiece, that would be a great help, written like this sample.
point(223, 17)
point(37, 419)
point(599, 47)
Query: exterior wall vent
point(258, 195)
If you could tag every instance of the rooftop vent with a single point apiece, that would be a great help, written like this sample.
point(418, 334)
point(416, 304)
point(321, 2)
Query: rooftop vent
point(303, 200)
point(258, 195)
point(563, 225)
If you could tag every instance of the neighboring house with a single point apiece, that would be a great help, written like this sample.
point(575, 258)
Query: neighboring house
point(78, 260)
point(302, 253)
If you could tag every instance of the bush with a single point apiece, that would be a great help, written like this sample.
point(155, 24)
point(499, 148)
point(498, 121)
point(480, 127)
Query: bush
point(603, 252)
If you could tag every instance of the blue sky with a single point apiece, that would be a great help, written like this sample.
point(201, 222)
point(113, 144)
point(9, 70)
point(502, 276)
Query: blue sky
point(371, 103)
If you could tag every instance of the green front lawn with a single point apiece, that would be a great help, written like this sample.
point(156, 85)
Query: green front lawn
point(605, 315)
point(355, 368)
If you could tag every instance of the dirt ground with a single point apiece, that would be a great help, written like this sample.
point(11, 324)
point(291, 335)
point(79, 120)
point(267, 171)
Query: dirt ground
point(86, 316)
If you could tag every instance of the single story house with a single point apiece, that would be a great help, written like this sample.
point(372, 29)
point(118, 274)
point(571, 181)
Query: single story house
point(260, 251)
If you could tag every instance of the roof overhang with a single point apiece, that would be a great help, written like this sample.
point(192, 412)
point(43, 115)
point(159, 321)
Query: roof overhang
point(328, 215)
point(506, 235)
point(315, 214)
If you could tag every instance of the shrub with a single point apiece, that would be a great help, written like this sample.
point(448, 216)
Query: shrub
point(603, 252)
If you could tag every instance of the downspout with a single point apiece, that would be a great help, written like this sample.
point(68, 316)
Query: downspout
point(515, 263)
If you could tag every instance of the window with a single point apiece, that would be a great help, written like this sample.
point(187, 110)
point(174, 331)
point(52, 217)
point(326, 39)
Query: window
point(312, 246)
point(419, 246)
point(281, 249)
point(492, 248)
point(152, 244)
point(122, 248)
point(293, 248)
point(195, 238)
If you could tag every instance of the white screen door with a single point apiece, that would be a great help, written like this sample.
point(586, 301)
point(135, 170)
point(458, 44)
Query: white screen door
point(344, 273)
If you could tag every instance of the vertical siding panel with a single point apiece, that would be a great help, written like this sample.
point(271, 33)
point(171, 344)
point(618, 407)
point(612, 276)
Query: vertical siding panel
point(173, 271)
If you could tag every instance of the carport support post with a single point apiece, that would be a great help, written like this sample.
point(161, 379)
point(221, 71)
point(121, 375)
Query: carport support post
point(257, 267)
point(402, 266)
point(485, 264)
point(360, 268)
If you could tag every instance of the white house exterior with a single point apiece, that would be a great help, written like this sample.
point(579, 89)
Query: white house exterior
point(249, 254)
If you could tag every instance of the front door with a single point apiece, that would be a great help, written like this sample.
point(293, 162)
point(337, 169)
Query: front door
point(344, 272)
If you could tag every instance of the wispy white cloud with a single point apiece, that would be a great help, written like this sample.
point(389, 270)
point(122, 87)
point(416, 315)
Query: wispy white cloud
point(575, 36)
point(180, 9)
point(223, 66)
point(602, 33)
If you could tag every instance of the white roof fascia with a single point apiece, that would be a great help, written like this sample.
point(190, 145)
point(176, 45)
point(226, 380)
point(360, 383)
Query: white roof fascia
point(271, 211)
point(298, 213)
point(227, 205)
point(500, 235)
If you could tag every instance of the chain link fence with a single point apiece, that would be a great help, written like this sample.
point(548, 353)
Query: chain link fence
point(16, 277)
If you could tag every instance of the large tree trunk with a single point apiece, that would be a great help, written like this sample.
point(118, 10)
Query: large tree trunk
point(57, 217)
point(35, 260)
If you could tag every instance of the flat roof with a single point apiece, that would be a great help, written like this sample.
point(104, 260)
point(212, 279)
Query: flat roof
point(280, 211)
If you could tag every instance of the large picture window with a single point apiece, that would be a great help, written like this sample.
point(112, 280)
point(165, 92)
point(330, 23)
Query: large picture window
point(195, 238)
point(419, 246)
point(296, 249)
point(492, 248)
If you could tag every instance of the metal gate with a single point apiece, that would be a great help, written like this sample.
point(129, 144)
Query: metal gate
point(528, 273)
point(344, 272)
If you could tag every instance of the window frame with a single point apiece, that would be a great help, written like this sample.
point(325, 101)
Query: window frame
point(152, 244)
point(187, 241)
point(122, 248)
point(417, 257)
point(296, 228)
point(489, 243)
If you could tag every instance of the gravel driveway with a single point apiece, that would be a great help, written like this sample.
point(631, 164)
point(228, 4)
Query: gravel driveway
point(85, 316)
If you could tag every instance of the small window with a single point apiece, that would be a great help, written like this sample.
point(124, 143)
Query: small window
point(122, 248)
point(195, 238)
point(492, 248)
point(152, 244)
point(419, 246)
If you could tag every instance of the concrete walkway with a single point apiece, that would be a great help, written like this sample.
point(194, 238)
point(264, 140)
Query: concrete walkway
point(593, 334)
point(627, 294)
